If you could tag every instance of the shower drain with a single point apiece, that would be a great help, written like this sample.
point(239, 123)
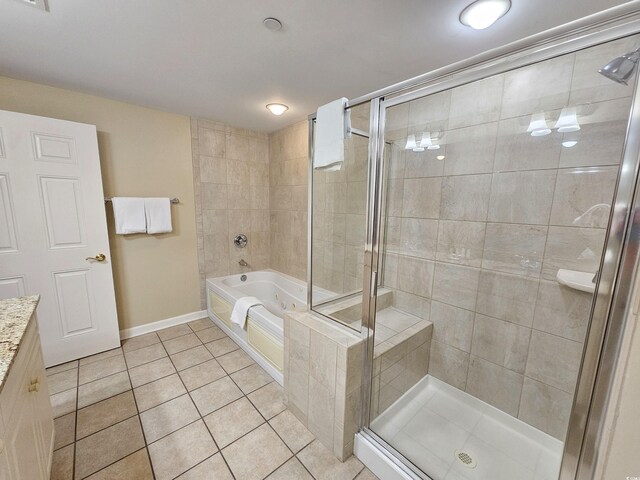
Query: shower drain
point(465, 459)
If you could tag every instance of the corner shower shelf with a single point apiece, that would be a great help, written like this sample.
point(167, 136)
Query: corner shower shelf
point(582, 281)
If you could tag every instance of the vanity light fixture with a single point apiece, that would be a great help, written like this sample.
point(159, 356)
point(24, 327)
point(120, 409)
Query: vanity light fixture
point(568, 121)
point(482, 14)
point(538, 125)
point(428, 142)
point(277, 108)
point(411, 142)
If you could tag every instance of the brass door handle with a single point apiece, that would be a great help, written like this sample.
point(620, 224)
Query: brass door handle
point(98, 258)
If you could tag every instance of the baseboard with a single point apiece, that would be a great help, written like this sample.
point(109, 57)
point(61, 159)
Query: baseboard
point(160, 324)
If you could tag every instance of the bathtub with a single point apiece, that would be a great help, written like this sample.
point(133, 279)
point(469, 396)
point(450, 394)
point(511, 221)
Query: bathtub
point(262, 337)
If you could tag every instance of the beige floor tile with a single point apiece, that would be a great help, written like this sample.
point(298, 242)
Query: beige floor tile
point(173, 332)
point(65, 430)
point(59, 382)
point(291, 430)
point(292, 470)
point(250, 463)
point(191, 357)
point(101, 356)
point(151, 371)
point(201, 374)
point(222, 346)
point(155, 393)
point(62, 367)
point(269, 400)
point(251, 378)
point(104, 388)
point(107, 446)
point(324, 466)
point(168, 417)
point(134, 467)
point(181, 343)
point(210, 334)
point(234, 361)
point(201, 324)
point(366, 474)
point(62, 464)
point(105, 413)
point(64, 402)
point(215, 395)
point(140, 341)
point(101, 368)
point(231, 422)
point(178, 452)
point(145, 355)
point(213, 468)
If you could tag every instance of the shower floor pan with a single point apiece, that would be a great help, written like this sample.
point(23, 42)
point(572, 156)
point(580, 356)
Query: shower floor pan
point(452, 435)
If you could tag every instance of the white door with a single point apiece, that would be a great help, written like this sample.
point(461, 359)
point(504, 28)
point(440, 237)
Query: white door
point(53, 231)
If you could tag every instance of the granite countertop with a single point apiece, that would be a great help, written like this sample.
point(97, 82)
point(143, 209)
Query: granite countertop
point(15, 314)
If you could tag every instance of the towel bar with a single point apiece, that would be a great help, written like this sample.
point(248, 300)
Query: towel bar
point(174, 201)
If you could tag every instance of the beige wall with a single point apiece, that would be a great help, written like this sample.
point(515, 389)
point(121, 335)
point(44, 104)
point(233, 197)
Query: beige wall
point(231, 180)
point(143, 152)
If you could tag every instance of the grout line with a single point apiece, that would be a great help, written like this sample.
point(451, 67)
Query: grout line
point(135, 401)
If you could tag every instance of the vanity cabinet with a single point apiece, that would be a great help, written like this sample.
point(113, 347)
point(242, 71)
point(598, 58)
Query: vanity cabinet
point(26, 430)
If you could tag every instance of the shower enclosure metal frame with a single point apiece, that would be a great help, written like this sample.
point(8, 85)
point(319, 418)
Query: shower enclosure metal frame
point(611, 303)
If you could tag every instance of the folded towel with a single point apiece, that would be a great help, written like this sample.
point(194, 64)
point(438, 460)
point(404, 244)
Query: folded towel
point(158, 214)
point(128, 213)
point(241, 310)
point(332, 123)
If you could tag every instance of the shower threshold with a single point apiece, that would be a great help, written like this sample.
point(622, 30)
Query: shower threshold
point(451, 435)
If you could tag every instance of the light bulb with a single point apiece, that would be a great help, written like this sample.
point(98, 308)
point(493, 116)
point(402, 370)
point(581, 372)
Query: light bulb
point(538, 125)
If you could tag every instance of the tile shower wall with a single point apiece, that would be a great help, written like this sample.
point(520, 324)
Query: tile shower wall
point(474, 241)
point(231, 180)
point(288, 171)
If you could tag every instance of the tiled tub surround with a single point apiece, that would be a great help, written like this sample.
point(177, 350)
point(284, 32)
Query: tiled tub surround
point(231, 184)
point(474, 242)
point(323, 372)
point(185, 403)
point(288, 172)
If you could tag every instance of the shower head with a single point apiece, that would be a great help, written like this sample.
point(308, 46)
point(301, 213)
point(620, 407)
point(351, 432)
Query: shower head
point(621, 68)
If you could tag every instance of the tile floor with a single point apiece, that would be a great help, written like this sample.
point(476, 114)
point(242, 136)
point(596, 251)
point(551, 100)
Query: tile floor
point(185, 402)
point(433, 420)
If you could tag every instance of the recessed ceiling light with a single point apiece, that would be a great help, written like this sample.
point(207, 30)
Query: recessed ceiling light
point(277, 108)
point(272, 24)
point(484, 13)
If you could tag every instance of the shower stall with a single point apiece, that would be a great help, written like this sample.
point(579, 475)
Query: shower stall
point(481, 237)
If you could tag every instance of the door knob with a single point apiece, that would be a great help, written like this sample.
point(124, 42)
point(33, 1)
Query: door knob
point(98, 258)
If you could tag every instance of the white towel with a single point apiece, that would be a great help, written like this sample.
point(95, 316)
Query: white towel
point(128, 213)
point(158, 214)
point(241, 310)
point(332, 123)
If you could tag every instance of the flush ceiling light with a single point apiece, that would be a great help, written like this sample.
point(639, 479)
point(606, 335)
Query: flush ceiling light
point(277, 108)
point(484, 13)
point(538, 125)
point(568, 121)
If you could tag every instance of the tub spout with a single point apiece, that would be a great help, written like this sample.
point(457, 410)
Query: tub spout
point(242, 263)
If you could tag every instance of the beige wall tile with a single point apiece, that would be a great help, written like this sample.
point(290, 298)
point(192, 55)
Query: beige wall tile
point(562, 311)
point(495, 385)
point(554, 360)
point(449, 364)
point(522, 197)
point(545, 407)
point(465, 197)
point(514, 248)
point(456, 285)
point(507, 297)
point(500, 342)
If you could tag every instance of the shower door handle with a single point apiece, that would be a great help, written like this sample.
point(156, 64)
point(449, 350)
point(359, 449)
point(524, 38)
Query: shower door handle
point(373, 288)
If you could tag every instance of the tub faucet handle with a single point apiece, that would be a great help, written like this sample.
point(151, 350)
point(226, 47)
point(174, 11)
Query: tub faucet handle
point(242, 263)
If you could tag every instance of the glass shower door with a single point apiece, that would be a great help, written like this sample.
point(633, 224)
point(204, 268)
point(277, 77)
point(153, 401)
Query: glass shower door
point(497, 198)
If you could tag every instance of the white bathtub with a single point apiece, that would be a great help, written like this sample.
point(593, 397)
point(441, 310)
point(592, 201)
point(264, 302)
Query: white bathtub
point(263, 336)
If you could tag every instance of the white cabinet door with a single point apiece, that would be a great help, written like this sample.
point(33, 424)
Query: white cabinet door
point(52, 218)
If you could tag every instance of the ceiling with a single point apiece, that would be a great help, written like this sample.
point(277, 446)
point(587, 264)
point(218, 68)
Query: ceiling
point(214, 59)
